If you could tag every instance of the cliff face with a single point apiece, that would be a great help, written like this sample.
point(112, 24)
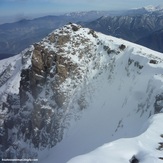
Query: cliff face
point(42, 91)
point(48, 77)
point(58, 79)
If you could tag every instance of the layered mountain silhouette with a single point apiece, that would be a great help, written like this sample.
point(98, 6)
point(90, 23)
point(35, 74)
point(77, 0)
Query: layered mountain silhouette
point(132, 25)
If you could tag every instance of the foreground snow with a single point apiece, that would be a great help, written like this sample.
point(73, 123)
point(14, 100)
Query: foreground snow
point(144, 147)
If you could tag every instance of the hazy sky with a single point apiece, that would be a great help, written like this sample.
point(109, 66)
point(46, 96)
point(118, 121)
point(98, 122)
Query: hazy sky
point(26, 7)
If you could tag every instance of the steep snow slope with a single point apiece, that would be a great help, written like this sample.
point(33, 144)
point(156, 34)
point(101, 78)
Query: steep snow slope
point(76, 90)
point(119, 91)
point(147, 148)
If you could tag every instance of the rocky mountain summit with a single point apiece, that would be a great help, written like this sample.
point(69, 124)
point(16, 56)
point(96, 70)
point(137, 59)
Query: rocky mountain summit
point(53, 82)
point(49, 75)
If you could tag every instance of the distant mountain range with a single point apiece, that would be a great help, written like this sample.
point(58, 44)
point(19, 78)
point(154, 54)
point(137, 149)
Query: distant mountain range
point(139, 28)
point(153, 41)
point(14, 37)
point(127, 27)
point(132, 25)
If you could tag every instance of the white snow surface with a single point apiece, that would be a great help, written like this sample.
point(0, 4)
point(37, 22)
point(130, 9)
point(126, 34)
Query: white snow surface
point(143, 147)
point(13, 65)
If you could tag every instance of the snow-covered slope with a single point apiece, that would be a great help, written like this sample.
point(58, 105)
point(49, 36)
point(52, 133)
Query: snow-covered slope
point(76, 90)
point(119, 94)
point(146, 148)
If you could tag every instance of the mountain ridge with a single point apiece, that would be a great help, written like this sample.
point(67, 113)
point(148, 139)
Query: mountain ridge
point(15, 37)
point(70, 85)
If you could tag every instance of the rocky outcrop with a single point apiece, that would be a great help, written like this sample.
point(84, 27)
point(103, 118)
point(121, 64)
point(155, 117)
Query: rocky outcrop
point(158, 105)
point(40, 88)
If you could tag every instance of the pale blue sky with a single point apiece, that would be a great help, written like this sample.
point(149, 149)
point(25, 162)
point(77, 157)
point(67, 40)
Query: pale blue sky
point(29, 7)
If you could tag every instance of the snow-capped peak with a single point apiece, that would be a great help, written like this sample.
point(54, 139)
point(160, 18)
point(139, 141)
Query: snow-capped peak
point(77, 90)
point(152, 8)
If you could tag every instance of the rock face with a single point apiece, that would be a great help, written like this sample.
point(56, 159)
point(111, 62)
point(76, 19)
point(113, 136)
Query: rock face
point(40, 107)
point(42, 80)
point(49, 83)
